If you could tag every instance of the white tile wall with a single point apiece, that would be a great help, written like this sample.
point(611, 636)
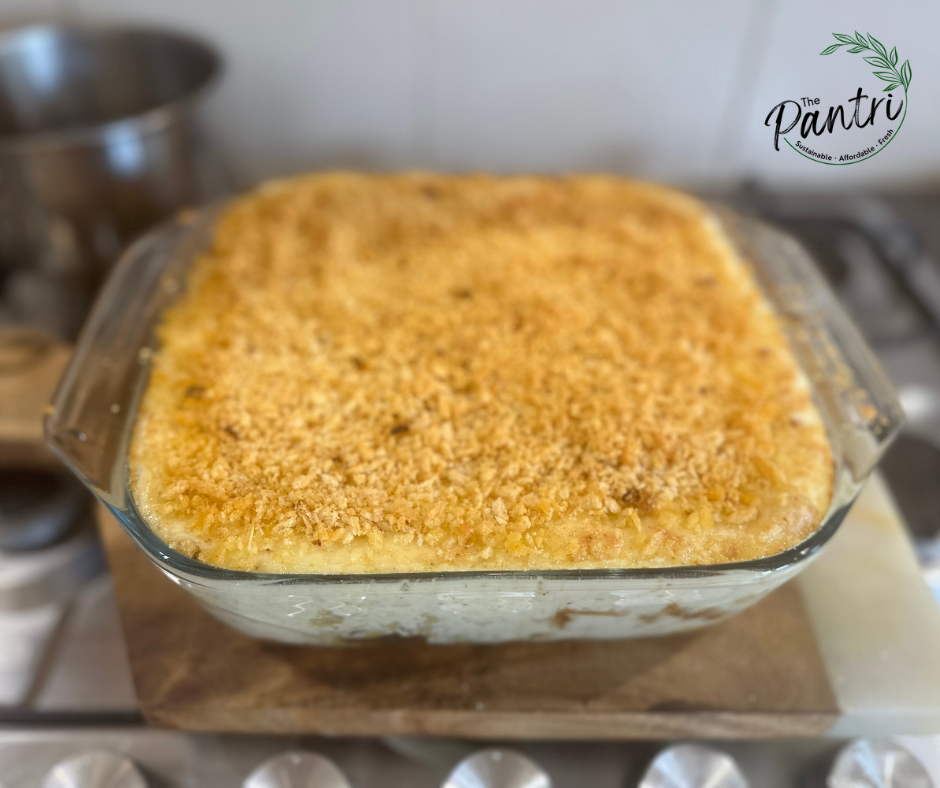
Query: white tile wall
point(598, 84)
point(675, 90)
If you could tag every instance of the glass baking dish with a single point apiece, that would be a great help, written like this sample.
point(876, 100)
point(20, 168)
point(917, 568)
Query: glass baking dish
point(92, 417)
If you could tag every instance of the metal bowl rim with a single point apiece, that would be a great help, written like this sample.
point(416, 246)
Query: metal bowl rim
point(149, 121)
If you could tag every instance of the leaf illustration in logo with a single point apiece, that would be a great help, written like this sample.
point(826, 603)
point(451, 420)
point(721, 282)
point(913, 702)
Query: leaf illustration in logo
point(906, 73)
point(877, 45)
point(891, 87)
point(881, 58)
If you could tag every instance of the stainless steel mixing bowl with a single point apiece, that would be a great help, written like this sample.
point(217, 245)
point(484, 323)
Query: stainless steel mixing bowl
point(99, 140)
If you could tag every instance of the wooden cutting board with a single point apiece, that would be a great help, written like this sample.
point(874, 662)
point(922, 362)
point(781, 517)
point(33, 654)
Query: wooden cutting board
point(850, 648)
point(30, 367)
point(760, 674)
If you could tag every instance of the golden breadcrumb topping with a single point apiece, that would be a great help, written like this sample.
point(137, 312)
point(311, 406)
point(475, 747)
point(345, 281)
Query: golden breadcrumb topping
point(422, 372)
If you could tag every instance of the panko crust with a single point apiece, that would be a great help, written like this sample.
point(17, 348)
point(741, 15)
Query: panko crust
point(421, 372)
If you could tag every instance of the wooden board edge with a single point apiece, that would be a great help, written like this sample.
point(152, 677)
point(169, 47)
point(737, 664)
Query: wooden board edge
point(497, 725)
